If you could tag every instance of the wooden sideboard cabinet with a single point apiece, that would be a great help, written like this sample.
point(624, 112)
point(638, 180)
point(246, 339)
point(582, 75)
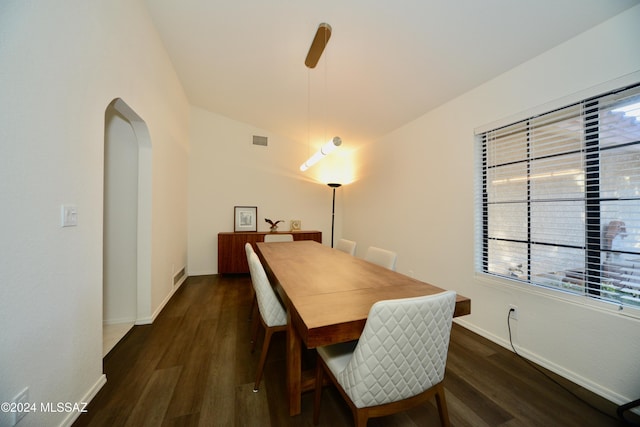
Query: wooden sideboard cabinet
point(232, 257)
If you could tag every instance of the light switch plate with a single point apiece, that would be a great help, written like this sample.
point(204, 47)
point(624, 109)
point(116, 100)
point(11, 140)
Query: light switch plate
point(69, 216)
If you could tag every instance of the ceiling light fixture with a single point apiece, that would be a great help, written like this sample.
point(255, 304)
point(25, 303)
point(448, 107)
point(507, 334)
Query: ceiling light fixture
point(313, 56)
point(317, 45)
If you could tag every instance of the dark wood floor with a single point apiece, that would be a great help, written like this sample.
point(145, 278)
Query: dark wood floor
point(193, 367)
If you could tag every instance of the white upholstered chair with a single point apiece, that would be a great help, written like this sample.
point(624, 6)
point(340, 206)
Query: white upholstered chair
point(382, 257)
point(398, 362)
point(348, 246)
point(248, 248)
point(272, 314)
point(278, 237)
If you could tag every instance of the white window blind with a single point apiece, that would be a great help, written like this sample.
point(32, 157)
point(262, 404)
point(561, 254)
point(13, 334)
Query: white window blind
point(560, 198)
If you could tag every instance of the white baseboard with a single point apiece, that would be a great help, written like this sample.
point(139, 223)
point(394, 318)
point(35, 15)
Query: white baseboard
point(73, 416)
point(118, 321)
point(202, 273)
point(563, 372)
point(149, 320)
point(88, 397)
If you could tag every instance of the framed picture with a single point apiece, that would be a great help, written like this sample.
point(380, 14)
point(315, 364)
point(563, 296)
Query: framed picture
point(245, 218)
point(295, 224)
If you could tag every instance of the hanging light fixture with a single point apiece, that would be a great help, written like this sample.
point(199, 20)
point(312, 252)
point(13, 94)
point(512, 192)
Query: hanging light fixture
point(313, 56)
point(323, 151)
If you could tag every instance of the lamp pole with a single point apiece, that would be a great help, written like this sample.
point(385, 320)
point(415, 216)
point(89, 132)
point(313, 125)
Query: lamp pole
point(333, 185)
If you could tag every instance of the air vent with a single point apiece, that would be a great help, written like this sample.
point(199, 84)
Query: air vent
point(260, 140)
point(179, 276)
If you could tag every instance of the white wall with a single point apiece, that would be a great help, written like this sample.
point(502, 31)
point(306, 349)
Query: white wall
point(227, 170)
point(120, 218)
point(418, 196)
point(62, 64)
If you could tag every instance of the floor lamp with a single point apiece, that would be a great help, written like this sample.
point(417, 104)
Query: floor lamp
point(333, 207)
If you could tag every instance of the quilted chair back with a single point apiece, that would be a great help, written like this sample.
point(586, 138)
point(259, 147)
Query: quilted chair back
point(269, 305)
point(402, 350)
point(348, 246)
point(248, 249)
point(382, 257)
point(278, 238)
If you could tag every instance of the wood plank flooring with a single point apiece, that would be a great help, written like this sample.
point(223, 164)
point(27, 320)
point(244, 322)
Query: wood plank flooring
point(193, 367)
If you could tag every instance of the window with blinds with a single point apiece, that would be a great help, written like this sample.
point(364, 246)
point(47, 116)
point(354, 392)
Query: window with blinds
point(560, 199)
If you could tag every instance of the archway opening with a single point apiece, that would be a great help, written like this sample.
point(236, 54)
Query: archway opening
point(127, 223)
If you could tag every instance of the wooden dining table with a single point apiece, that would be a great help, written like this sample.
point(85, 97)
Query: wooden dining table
point(328, 294)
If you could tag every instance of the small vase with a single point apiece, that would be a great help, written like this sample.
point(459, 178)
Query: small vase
point(274, 228)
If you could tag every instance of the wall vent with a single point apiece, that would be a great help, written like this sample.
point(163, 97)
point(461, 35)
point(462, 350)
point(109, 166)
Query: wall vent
point(260, 140)
point(178, 276)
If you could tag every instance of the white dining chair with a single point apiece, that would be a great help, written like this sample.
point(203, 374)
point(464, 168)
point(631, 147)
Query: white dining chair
point(382, 257)
point(272, 314)
point(278, 237)
point(348, 246)
point(248, 248)
point(398, 362)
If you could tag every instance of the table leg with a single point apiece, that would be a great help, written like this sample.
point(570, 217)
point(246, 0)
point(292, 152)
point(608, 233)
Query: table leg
point(294, 368)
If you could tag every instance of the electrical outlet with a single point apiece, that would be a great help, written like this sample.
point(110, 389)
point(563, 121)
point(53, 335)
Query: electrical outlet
point(513, 312)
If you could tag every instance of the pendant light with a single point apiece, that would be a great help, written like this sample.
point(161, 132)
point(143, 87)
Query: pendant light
point(313, 56)
point(323, 151)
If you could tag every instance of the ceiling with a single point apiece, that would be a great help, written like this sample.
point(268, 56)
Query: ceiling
point(386, 63)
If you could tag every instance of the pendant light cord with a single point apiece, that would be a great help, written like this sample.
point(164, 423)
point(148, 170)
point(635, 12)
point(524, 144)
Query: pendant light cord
point(326, 90)
point(308, 112)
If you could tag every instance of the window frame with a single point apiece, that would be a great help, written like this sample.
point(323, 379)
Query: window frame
point(592, 204)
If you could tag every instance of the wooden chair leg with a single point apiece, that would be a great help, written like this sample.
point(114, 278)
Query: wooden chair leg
point(318, 392)
point(361, 420)
point(441, 402)
point(263, 356)
point(254, 306)
point(254, 332)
